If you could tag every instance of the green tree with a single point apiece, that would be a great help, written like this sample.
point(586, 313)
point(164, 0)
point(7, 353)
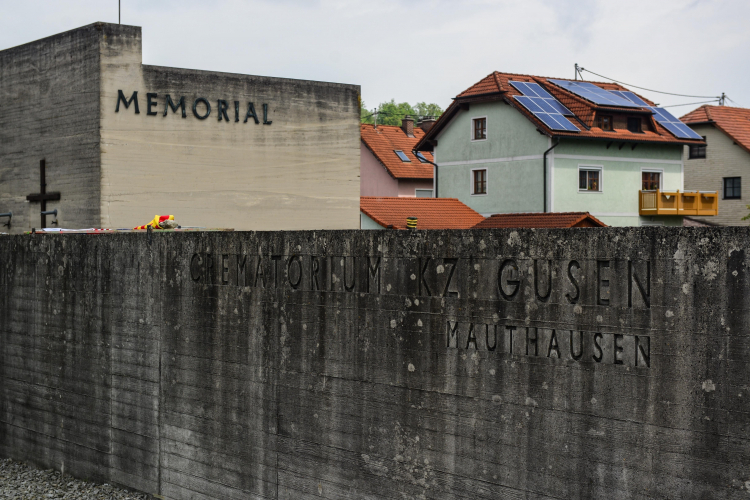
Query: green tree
point(391, 113)
point(424, 109)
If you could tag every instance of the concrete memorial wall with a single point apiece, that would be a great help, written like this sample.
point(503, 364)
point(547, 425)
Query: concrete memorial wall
point(606, 363)
point(88, 130)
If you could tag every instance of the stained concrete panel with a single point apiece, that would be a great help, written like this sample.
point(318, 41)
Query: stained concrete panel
point(298, 168)
point(50, 111)
point(587, 363)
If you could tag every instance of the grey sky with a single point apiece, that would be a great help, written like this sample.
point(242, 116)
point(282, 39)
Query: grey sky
point(428, 50)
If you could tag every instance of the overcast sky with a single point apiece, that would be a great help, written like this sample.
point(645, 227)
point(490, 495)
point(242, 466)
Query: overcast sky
point(428, 50)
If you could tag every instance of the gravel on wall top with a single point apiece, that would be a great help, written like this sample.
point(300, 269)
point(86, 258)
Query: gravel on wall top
point(21, 481)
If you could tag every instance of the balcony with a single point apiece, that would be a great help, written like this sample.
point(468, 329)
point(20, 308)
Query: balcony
point(677, 203)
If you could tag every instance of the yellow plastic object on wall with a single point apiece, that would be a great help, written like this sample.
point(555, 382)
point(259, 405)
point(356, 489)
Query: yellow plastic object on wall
point(160, 222)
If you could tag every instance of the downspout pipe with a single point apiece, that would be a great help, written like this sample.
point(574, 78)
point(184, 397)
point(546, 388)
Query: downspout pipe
point(435, 180)
point(545, 174)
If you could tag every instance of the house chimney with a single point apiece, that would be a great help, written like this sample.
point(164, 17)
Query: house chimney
point(427, 123)
point(407, 125)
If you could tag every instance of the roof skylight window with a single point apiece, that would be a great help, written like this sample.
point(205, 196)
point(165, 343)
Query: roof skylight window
point(401, 155)
point(421, 158)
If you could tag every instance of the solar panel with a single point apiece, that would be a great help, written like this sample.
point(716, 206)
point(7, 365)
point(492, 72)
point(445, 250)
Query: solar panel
point(523, 87)
point(675, 126)
point(532, 89)
point(630, 96)
point(546, 113)
point(664, 117)
point(595, 94)
point(401, 155)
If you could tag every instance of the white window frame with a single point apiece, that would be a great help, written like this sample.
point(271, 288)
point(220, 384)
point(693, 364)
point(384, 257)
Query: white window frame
point(471, 181)
point(486, 128)
point(432, 192)
point(659, 171)
point(600, 168)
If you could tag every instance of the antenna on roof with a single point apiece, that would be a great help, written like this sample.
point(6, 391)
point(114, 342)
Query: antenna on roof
point(118, 12)
point(722, 99)
point(578, 72)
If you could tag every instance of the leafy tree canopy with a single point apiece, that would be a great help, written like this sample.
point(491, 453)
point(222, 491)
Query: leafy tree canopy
point(391, 113)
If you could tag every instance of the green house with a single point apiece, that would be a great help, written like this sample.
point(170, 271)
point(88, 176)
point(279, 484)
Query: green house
point(519, 143)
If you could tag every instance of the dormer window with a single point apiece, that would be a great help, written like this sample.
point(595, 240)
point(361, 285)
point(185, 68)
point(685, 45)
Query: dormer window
point(401, 155)
point(634, 124)
point(604, 122)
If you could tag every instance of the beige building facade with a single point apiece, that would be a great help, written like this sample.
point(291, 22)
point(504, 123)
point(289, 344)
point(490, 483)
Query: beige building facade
point(724, 164)
point(122, 141)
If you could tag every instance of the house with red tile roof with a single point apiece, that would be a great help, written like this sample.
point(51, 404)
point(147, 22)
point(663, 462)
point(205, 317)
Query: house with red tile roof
point(388, 165)
point(723, 164)
point(541, 220)
point(518, 143)
point(382, 212)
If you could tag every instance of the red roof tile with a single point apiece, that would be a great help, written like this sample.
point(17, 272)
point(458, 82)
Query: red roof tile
point(433, 213)
point(385, 139)
point(698, 115)
point(735, 122)
point(541, 220)
point(487, 85)
point(585, 111)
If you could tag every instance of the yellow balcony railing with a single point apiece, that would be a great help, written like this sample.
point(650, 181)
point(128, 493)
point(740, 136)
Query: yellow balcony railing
point(676, 203)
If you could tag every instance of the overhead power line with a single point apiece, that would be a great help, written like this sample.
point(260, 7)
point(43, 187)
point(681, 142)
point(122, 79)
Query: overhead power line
point(689, 104)
point(652, 90)
point(738, 104)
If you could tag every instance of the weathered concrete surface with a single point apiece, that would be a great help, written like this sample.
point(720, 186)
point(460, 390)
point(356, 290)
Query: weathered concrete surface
point(367, 364)
point(299, 172)
point(50, 110)
point(116, 168)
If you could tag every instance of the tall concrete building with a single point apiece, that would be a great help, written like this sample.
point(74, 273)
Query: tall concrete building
point(90, 131)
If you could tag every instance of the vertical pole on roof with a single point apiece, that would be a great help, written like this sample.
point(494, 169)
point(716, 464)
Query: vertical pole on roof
point(576, 77)
point(721, 100)
point(118, 12)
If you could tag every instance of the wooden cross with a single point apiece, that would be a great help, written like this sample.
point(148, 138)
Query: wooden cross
point(43, 196)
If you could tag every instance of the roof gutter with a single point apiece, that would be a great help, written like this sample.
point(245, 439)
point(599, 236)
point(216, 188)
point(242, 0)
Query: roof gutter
point(545, 173)
point(692, 142)
point(434, 177)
